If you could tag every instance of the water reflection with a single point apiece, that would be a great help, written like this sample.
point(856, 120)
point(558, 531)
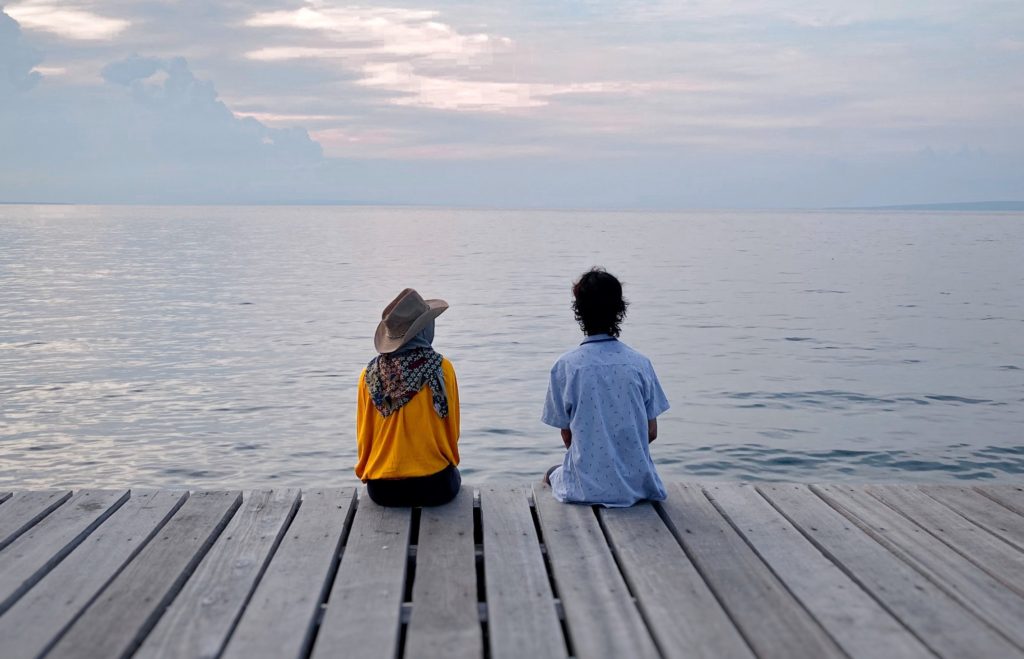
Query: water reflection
point(220, 346)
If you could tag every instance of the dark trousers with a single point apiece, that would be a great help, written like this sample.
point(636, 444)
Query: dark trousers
point(433, 490)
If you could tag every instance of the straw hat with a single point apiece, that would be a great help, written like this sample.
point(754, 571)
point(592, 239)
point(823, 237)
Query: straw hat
point(404, 318)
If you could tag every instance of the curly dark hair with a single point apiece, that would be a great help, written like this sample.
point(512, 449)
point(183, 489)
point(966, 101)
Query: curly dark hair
point(598, 302)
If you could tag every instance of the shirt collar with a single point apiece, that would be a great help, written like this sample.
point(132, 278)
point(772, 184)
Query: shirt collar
point(597, 338)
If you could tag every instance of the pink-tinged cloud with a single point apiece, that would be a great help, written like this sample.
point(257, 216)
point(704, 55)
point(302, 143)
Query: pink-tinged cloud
point(65, 19)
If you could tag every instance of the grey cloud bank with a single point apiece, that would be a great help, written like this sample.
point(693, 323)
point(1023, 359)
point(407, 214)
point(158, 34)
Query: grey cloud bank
point(152, 133)
point(18, 59)
point(328, 103)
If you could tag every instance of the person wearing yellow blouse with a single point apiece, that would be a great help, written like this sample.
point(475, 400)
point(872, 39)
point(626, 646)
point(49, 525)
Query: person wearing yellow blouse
point(407, 418)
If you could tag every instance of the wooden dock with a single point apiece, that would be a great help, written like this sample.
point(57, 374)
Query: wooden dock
point(723, 570)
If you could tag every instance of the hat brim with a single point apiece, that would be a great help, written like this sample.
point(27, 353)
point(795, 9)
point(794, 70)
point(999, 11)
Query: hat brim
point(385, 344)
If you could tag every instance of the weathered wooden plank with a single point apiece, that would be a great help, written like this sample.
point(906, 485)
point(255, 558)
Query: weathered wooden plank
point(965, 581)
point(25, 509)
point(981, 510)
point(445, 618)
point(680, 609)
point(279, 619)
point(38, 619)
point(362, 616)
point(4, 496)
point(938, 620)
point(773, 622)
point(129, 606)
point(1001, 560)
point(35, 552)
point(600, 614)
point(201, 617)
point(857, 622)
point(522, 620)
point(1010, 496)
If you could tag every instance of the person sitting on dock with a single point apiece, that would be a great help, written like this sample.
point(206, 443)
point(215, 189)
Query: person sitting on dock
point(407, 418)
point(605, 398)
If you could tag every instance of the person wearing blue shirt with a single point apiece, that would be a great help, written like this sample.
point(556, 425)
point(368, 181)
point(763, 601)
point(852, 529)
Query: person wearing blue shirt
point(605, 398)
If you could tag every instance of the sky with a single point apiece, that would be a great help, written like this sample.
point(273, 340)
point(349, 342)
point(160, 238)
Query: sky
point(584, 104)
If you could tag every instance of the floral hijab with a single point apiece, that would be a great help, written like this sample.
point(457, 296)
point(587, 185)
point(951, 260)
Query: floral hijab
point(393, 379)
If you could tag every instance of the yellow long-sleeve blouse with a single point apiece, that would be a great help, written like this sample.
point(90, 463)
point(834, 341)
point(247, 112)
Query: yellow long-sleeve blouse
point(414, 440)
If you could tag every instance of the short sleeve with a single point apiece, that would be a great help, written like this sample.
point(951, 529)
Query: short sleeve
point(655, 401)
point(557, 409)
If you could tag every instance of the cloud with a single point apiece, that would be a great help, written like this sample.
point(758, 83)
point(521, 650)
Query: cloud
point(447, 93)
point(413, 57)
point(368, 31)
point(415, 89)
point(66, 21)
point(389, 48)
point(17, 59)
point(151, 130)
point(654, 102)
point(183, 116)
point(50, 70)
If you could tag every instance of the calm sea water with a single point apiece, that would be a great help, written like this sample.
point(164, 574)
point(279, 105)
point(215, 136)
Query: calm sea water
point(221, 346)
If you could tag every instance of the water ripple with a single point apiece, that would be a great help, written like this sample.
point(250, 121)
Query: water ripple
point(191, 347)
point(841, 400)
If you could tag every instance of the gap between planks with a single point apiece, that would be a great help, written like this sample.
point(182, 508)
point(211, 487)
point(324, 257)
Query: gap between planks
point(478, 553)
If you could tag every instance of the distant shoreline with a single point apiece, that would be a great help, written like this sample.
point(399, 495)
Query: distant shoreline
point(952, 206)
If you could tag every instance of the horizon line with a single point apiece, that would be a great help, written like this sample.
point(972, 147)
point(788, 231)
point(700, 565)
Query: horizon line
point(985, 205)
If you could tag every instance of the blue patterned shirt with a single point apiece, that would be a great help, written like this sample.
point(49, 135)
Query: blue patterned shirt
point(605, 392)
